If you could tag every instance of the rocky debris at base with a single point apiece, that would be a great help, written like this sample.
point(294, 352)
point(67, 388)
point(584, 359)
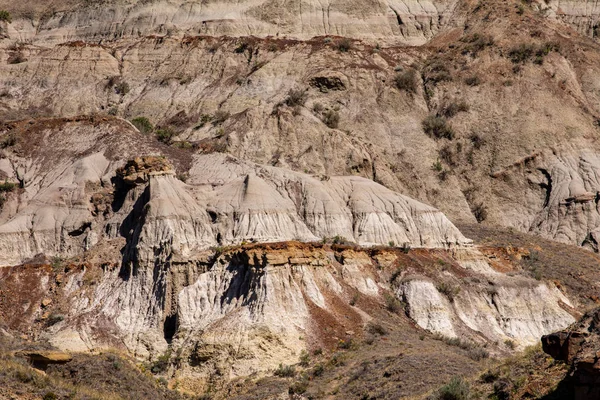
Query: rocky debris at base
point(579, 346)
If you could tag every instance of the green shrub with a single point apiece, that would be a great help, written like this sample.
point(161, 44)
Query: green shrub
point(5, 16)
point(165, 135)
point(220, 117)
point(406, 81)
point(448, 290)
point(437, 166)
point(7, 186)
point(304, 358)
point(392, 304)
point(437, 127)
point(285, 371)
point(161, 364)
point(457, 389)
point(122, 88)
point(143, 125)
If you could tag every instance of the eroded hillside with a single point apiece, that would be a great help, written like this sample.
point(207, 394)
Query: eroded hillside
point(237, 195)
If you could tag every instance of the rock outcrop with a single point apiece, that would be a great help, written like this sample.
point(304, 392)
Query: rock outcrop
point(579, 346)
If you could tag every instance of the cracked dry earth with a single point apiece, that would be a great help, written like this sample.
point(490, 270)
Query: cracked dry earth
point(345, 199)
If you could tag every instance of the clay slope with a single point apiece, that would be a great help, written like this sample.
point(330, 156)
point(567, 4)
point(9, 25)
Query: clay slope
point(73, 195)
point(521, 102)
point(408, 21)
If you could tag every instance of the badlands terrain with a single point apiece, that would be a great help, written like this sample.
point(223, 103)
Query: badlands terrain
point(360, 199)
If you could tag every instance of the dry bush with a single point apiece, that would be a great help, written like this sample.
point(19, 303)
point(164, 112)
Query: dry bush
point(437, 127)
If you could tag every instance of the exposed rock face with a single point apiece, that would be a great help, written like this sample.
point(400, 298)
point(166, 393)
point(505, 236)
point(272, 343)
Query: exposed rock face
point(532, 174)
point(579, 346)
point(226, 201)
point(410, 21)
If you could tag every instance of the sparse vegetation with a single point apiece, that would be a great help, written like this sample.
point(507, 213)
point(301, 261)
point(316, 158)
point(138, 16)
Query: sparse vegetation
point(331, 118)
point(456, 389)
point(437, 127)
point(5, 16)
point(476, 43)
point(473, 80)
point(392, 304)
point(453, 108)
point(480, 212)
point(143, 125)
point(122, 88)
point(7, 186)
point(436, 71)
point(448, 290)
point(343, 45)
point(296, 97)
point(16, 58)
point(165, 135)
point(220, 117)
point(526, 51)
point(406, 81)
point(285, 371)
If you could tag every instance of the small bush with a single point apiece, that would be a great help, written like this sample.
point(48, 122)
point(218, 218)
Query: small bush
point(161, 364)
point(318, 108)
point(5, 16)
point(457, 389)
point(377, 329)
point(437, 166)
point(16, 58)
point(510, 344)
point(473, 80)
point(50, 396)
point(480, 212)
point(304, 358)
point(285, 371)
point(436, 71)
point(344, 45)
point(450, 110)
point(296, 97)
point(477, 43)
point(406, 81)
point(447, 155)
point(8, 141)
point(7, 186)
point(477, 141)
point(488, 376)
point(478, 353)
point(331, 118)
point(437, 127)
point(392, 304)
point(318, 370)
point(122, 88)
point(165, 135)
point(143, 125)
point(448, 290)
point(298, 387)
point(220, 117)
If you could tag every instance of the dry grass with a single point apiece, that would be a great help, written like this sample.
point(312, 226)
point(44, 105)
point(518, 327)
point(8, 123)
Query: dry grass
point(107, 376)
